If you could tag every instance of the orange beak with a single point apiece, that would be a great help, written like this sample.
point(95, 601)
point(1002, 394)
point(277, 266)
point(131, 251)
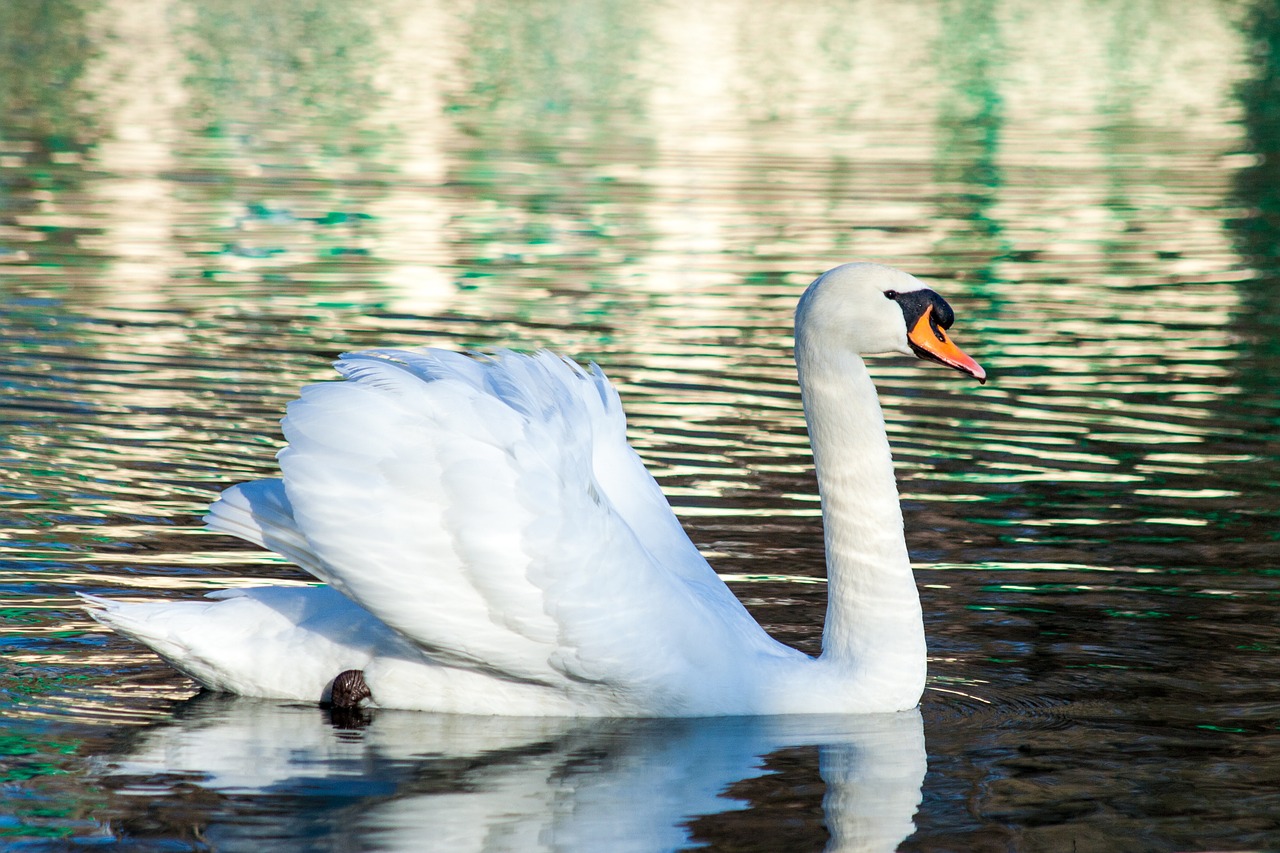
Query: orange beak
point(930, 341)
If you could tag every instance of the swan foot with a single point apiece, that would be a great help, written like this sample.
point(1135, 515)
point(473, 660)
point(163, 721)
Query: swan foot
point(349, 689)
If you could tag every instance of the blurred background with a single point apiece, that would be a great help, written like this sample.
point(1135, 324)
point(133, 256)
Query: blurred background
point(203, 203)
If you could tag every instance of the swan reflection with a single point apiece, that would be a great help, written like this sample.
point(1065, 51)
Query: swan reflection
point(412, 781)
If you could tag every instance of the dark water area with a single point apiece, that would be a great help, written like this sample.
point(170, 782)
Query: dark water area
point(202, 204)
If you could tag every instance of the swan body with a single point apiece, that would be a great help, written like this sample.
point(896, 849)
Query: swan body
point(488, 543)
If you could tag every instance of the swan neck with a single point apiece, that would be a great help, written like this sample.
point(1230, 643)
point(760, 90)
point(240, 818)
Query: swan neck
point(874, 624)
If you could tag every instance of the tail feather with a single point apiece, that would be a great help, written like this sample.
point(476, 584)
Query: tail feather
point(142, 622)
point(286, 642)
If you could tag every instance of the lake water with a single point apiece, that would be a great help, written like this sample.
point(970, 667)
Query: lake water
point(204, 203)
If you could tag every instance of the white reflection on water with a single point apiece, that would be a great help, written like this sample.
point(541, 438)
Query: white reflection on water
point(408, 781)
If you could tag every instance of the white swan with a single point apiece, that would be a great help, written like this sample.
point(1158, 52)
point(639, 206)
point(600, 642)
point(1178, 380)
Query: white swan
point(490, 544)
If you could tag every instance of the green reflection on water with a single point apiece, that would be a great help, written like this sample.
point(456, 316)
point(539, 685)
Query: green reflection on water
point(44, 50)
point(312, 59)
point(1257, 187)
point(971, 58)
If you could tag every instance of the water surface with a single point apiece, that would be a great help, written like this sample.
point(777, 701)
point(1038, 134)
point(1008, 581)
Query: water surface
point(201, 205)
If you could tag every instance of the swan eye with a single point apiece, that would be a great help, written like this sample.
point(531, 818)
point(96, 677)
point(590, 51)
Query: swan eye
point(891, 294)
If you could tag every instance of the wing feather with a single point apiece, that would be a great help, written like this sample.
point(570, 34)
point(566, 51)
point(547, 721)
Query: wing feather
point(490, 510)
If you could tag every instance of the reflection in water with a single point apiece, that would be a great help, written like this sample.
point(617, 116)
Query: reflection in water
point(313, 61)
point(201, 204)
point(971, 120)
point(1257, 228)
point(406, 780)
point(44, 51)
point(589, 74)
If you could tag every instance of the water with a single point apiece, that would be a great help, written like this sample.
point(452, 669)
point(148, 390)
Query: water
point(203, 204)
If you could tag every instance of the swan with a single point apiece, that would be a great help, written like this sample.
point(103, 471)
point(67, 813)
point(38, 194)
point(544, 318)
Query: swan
point(488, 542)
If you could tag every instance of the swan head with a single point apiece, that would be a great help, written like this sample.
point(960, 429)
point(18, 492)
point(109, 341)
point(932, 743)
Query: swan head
point(870, 309)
